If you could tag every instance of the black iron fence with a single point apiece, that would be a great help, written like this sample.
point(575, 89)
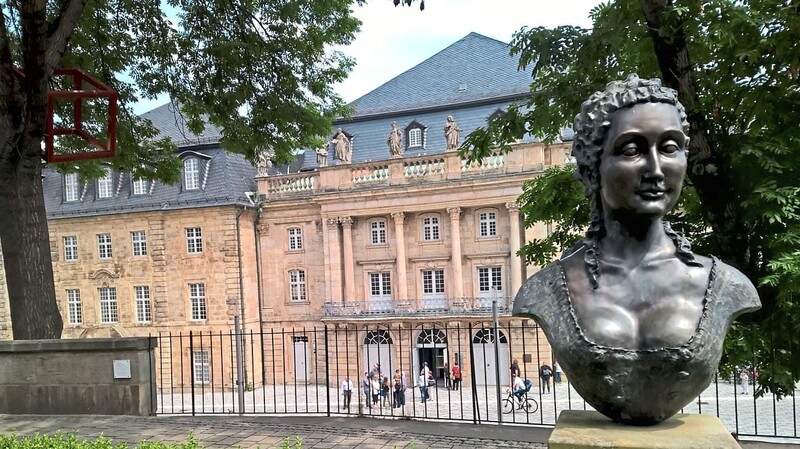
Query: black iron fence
point(309, 371)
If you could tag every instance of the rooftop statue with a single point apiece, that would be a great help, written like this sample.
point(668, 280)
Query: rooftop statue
point(451, 130)
point(636, 320)
point(341, 146)
point(395, 141)
point(263, 161)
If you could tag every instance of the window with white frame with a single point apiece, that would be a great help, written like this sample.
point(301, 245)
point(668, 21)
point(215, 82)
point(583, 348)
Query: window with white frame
point(297, 285)
point(197, 300)
point(70, 247)
point(142, 295)
point(490, 279)
point(380, 285)
point(202, 367)
point(433, 283)
point(139, 243)
point(194, 240)
point(104, 246)
point(105, 186)
point(191, 174)
point(74, 306)
point(430, 229)
point(108, 305)
point(71, 188)
point(140, 186)
point(378, 232)
point(487, 224)
point(295, 239)
point(415, 137)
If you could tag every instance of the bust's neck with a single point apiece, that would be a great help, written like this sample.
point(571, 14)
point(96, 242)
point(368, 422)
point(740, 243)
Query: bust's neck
point(633, 241)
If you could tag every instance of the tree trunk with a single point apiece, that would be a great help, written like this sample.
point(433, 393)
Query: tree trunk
point(25, 242)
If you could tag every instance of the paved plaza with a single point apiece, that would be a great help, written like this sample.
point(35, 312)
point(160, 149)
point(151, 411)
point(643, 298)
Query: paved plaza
point(742, 414)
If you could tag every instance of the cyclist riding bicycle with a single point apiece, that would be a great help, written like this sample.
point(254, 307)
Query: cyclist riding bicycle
point(520, 387)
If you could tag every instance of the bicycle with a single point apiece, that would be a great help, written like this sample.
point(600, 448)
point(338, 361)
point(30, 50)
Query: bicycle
point(519, 402)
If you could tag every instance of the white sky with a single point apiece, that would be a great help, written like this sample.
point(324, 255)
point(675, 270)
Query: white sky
point(394, 39)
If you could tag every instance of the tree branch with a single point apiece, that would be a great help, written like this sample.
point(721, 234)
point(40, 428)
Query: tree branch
point(61, 30)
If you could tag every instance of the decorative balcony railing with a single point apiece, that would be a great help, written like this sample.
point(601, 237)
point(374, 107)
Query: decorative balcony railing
point(434, 306)
point(449, 166)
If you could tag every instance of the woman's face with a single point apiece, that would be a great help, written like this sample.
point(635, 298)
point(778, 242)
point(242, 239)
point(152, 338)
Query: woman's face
point(643, 161)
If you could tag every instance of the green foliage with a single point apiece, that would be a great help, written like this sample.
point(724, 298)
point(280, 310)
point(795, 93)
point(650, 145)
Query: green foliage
point(69, 441)
point(745, 63)
point(260, 70)
point(289, 444)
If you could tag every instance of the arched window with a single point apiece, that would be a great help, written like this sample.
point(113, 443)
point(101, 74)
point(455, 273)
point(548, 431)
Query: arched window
point(378, 337)
point(486, 336)
point(191, 174)
point(432, 337)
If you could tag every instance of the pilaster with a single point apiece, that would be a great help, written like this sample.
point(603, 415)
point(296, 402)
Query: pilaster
point(514, 242)
point(455, 242)
point(347, 244)
point(399, 233)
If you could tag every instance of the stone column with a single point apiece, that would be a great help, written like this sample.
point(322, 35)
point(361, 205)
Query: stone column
point(326, 258)
point(335, 267)
point(347, 244)
point(455, 242)
point(399, 233)
point(513, 240)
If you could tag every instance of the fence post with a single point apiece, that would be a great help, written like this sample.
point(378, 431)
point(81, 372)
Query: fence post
point(239, 364)
point(328, 374)
point(191, 367)
point(476, 408)
point(496, 320)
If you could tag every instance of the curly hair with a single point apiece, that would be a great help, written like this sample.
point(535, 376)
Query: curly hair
point(591, 126)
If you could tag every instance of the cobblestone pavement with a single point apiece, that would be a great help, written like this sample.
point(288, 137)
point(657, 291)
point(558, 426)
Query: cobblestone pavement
point(271, 432)
point(314, 432)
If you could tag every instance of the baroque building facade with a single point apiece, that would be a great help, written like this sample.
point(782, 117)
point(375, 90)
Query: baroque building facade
point(387, 236)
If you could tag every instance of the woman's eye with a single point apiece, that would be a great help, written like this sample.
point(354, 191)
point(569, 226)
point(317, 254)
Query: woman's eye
point(629, 150)
point(670, 147)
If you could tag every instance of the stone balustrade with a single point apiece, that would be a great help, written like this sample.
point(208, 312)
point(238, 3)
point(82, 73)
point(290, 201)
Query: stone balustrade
point(523, 158)
point(470, 306)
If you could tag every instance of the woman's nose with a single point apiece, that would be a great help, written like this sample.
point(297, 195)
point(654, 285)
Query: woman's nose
point(653, 164)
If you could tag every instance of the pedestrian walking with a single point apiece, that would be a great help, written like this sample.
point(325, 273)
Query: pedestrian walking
point(557, 370)
point(545, 372)
point(456, 376)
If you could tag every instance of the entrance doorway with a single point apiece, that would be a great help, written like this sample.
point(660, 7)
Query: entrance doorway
point(300, 348)
point(486, 370)
point(431, 349)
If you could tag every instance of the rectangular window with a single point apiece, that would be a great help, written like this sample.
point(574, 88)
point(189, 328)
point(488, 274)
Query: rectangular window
point(433, 282)
point(378, 230)
point(139, 243)
point(490, 279)
point(108, 305)
point(197, 298)
point(140, 187)
point(142, 294)
point(380, 284)
point(70, 247)
point(202, 367)
point(297, 285)
point(295, 239)
point(105, 186)
point(71, 190)
point(194, 240)
point(488, 224)
point(104, 246)
point(74, 306)
point(415, 137)
point(430, 229)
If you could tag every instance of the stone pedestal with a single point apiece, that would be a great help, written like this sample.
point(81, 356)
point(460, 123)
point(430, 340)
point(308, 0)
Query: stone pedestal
point(585, 430)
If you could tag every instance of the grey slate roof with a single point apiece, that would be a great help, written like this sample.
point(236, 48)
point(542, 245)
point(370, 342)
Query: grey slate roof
point(479, 64)
point(228, 177)
point(428, 93)
point(171, 123)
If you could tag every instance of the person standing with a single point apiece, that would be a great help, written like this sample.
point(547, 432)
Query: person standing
point(347, 392)
point(423, 386)
point(375, 389)
point(557, 370)
point(744, 381)
point(446, 375)
point(365, 385)
point(545, 372)
point(456, 376)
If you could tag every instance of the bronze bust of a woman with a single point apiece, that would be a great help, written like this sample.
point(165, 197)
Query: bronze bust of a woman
point(636, 320)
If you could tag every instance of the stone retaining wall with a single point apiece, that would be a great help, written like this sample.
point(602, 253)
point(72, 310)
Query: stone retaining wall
point(78, 376)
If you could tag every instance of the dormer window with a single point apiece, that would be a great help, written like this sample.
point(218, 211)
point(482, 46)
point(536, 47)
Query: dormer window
point(140, 186)
point(191, 174)
point(105, 186)
point(415, 135)
point(71, 188)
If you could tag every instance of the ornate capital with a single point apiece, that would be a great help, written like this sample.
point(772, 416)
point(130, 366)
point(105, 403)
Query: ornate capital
point(263, 227)
point(399, 217)
point(455, 213)
point(513, 208)
point(347, 222)
point(332, 223)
